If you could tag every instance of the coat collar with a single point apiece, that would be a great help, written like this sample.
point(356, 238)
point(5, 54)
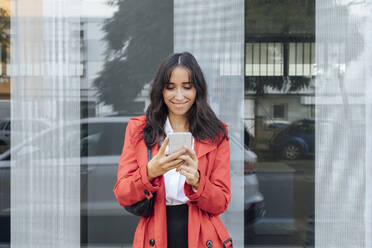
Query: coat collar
point(203, 147)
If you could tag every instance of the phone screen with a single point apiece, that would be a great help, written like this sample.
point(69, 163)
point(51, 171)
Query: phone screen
point(178, 140)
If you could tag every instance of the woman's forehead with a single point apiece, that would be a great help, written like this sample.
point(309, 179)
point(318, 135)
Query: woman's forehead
point(179, 71)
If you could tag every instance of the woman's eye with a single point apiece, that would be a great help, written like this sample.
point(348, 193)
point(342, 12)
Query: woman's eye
point(169, 86)
point(188, 87)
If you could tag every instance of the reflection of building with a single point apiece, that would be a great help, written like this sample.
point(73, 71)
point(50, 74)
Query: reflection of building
point(280, 63)
point(92, 59)
point(92, 54)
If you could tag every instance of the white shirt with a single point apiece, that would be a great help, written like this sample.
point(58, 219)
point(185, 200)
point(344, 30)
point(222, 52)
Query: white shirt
point(173, 180)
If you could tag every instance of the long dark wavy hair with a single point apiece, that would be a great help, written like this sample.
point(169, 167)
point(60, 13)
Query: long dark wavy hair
point(203, 122)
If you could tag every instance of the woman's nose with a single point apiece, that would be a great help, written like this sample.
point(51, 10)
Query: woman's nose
point(179, 94)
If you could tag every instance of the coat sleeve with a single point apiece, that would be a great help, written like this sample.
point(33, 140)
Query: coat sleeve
point(213, 194)
point(132, 184)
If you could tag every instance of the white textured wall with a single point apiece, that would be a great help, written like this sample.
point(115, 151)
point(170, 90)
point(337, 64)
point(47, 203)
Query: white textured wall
point(343, 124)
point(45, 88)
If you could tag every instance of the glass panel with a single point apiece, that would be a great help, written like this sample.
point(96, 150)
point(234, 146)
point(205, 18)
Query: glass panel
point(45, 145)
point(256, 59)
point(249, 59)
point(312, 61)
point(300, 60)
point(213, 32)
point(270, 58)
point(278, 59)
point(263, 59)
point(343, 199)
point(279, 122)
point(307, 59)
point(77, 75)
point(267, 58)
point(292, 59)
point(4, 123)
point(120, 52)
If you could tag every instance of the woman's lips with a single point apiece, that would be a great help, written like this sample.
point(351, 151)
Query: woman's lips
point(179, 105)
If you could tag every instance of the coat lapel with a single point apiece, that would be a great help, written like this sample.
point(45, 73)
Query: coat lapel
point(203, 148)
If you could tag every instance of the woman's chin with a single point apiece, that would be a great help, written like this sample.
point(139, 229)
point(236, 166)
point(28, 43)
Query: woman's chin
point(179, 112)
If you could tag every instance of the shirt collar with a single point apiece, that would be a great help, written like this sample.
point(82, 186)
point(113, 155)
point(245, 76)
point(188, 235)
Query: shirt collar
point(200, 148)
point(168, 127)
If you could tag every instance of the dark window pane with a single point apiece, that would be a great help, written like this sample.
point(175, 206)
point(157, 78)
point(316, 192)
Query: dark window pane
point(104, 139)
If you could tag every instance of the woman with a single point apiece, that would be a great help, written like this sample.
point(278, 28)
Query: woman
point(192, 185)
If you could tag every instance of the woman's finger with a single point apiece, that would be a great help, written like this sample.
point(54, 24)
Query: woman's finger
point(187, 168)
point(176, 166)
point(164, 146)
point(173, 163)
point(188, 175)
point(187, 159)
point(191, 152)
point(175, 155)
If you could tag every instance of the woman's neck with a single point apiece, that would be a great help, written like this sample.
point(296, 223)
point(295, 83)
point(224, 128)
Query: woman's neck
point(178, 123)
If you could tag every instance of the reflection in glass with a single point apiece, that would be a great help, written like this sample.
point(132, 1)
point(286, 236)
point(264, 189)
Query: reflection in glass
point(4, 121)
point(343, 124)
point(213, 31)
point(44, 178)
point(279, 119)
point(122, 43)
point(264, 59)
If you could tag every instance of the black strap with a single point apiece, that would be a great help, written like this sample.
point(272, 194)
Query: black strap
point(149, 154)
point(144, 207)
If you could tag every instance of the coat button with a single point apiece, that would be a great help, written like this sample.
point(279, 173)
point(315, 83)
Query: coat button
point(146, 192)
point(152, 242)
point(209, 244)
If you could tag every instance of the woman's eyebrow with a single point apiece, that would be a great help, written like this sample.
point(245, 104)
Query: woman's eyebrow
point(182, 83)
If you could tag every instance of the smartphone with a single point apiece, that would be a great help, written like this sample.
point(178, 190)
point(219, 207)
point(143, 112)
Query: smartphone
point(178, 140)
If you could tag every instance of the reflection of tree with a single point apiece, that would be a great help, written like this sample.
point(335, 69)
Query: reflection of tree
point(4, 26)
point(260, 85)
point(284, 18)
point(279, 21)
point(4, 33)
point(138, 36)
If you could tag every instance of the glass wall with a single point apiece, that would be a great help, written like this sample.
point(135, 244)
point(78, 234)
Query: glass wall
point(123, 42)
point(343, 124)
point(289, 77)
point(4, 121)
point(213, 32)
point(279, 123)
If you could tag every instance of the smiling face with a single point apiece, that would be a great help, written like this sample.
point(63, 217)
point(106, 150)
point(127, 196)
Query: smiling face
point(179, 93)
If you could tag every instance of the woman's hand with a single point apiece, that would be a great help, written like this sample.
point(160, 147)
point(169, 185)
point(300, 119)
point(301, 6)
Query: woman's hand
point(161, 163)
point(190, 170)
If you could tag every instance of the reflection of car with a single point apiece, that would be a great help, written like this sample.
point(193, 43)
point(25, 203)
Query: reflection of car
point(295, 140)
point(264, 130)
point(276, 124)
point(5, 126)
point(101, 143)
point(236, 149)
point(254, 207)
point(4, 135)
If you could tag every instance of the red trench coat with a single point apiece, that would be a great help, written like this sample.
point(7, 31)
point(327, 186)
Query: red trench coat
point(211, 199)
